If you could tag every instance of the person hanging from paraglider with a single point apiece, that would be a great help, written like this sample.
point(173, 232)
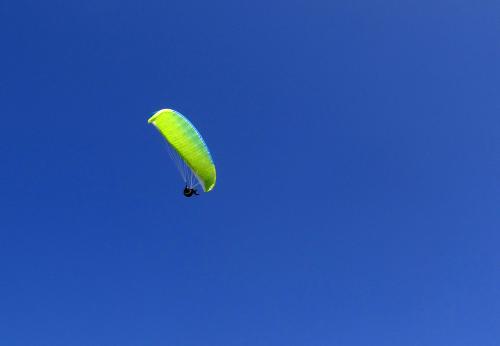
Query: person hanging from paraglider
point(190, 191)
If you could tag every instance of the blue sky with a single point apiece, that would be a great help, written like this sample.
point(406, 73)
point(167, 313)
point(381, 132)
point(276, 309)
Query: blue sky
point(358, 156)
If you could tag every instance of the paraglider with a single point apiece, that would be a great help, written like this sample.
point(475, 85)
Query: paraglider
point(187, 149)
point(189, 191)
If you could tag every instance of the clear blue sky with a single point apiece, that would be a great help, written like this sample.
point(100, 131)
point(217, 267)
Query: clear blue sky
point(358, 155)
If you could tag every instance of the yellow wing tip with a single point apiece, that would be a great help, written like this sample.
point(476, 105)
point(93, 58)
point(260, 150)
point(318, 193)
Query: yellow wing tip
point(210, 188)
point(157, 114)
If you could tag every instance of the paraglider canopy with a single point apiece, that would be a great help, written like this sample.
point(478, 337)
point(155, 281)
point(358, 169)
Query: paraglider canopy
point(186, 148)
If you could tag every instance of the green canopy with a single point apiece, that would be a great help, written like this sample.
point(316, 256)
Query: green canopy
point(188, 148)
